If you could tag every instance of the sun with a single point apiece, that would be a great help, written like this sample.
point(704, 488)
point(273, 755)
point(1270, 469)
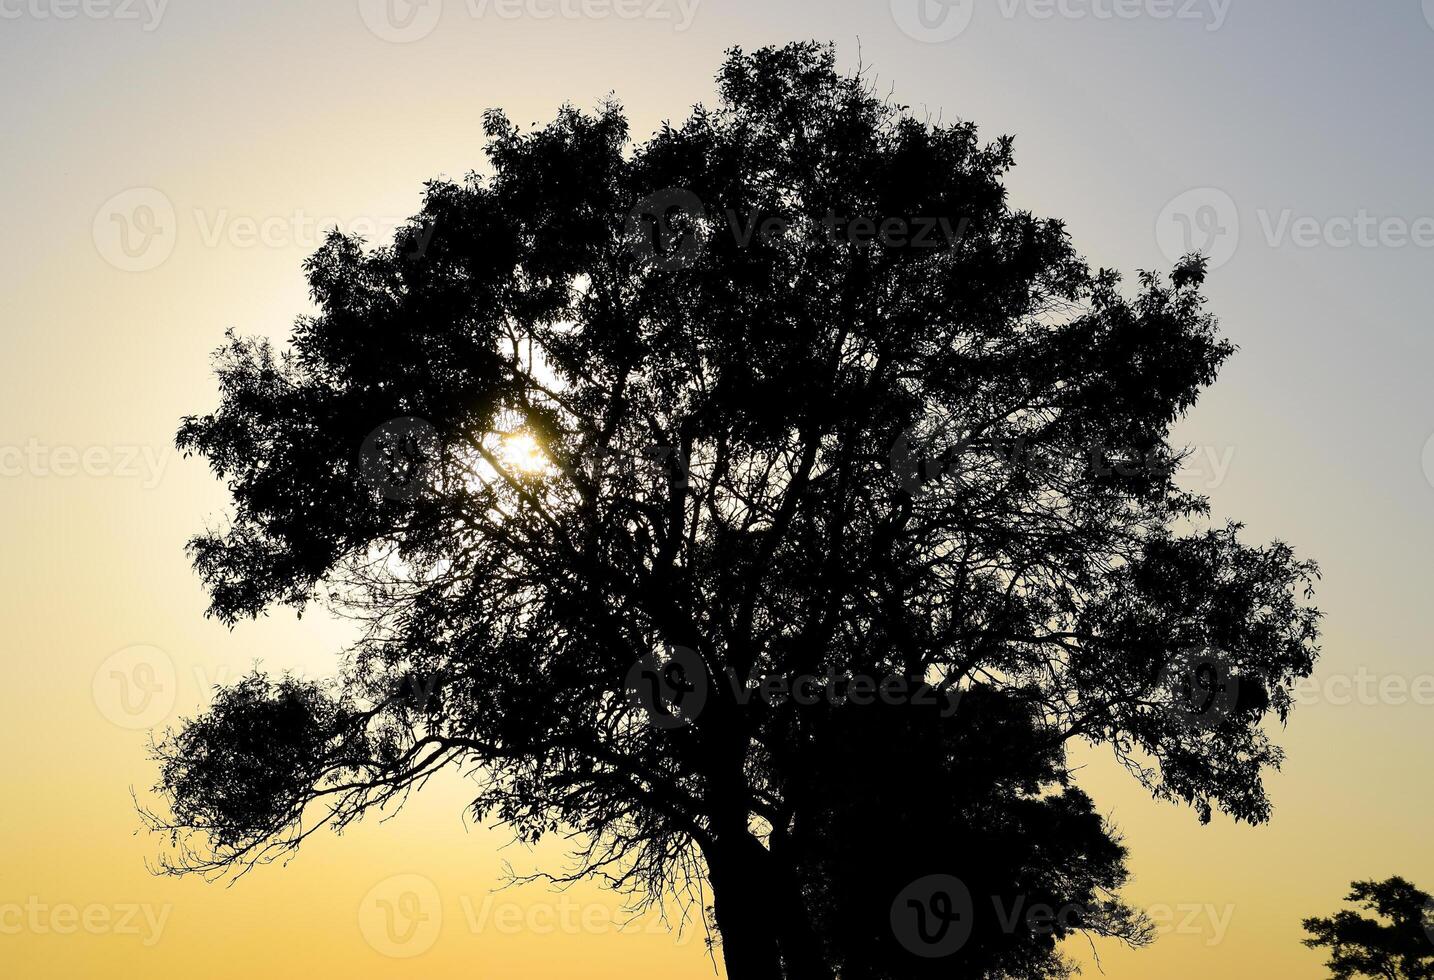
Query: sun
point(522, 452)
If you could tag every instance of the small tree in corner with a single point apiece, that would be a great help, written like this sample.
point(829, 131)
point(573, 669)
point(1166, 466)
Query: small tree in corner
point(1396, 943)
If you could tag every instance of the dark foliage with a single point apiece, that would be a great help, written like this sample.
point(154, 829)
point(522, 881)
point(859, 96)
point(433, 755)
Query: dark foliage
point(1397, 942)
point(891, 794)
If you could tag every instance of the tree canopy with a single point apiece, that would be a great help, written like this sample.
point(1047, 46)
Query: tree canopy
point(616, 432)
point(1396, 942)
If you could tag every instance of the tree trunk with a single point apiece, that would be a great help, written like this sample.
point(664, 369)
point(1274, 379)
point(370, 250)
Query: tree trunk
point(800, 947)
point(742, 905)
point(766, 934)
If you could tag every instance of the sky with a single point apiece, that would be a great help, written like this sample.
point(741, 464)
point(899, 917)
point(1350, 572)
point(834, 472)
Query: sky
point(166, 167)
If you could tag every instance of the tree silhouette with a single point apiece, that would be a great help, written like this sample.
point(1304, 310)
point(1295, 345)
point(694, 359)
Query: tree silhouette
point(766, 505)
point(1398, 944)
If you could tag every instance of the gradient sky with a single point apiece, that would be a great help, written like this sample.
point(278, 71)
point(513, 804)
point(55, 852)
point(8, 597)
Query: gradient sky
point(222, 133)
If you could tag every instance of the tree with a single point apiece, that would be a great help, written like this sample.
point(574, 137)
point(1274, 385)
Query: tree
point(892, 802)
point(787, 397)
point(1398, 944)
